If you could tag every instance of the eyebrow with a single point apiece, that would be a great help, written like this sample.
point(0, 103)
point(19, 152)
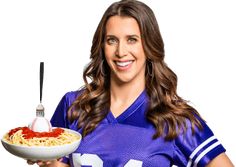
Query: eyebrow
point(126, 36)
point(133, 36)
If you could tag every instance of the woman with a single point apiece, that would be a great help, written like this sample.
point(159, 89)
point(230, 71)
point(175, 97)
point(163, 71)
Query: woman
point(129, 112)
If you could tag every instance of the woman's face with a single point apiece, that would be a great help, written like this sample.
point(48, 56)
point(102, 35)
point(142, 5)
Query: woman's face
point(124, 50)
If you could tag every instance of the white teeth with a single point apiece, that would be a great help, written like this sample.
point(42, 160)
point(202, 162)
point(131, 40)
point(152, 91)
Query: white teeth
point(123, 64)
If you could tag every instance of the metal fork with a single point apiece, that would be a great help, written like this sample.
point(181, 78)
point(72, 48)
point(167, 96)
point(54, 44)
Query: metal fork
point(40, 108)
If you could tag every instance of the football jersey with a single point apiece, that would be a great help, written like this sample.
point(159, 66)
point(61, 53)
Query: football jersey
point(126, 141)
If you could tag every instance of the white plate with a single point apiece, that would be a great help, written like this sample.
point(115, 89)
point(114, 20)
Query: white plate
point(42, 152)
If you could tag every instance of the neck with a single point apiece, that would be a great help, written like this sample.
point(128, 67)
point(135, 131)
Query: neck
point(123, 94)
point(126, 91)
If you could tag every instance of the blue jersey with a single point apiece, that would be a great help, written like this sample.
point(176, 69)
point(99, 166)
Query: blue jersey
point(126, 141)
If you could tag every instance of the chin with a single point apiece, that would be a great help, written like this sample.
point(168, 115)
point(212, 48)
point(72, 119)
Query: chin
point(124, 79)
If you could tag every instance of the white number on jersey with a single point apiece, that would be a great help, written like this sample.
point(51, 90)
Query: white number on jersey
point(94, 161)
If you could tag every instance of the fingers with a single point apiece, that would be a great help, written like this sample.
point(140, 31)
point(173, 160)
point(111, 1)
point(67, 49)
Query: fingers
point(59, 159)
point(39, 163)
point(30, 162)
point(43, 163)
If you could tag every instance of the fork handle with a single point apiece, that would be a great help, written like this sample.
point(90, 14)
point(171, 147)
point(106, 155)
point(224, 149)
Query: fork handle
point(41, 80)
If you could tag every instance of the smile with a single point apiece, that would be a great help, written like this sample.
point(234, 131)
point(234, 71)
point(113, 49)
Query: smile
point(123, 63)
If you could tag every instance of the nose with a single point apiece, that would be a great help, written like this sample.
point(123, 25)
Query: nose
point(121, 50)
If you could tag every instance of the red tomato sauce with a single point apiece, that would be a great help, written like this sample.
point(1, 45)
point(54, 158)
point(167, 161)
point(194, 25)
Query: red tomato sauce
point(29, 134)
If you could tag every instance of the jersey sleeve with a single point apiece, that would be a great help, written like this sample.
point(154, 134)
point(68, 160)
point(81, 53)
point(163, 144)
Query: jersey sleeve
point(196, 149)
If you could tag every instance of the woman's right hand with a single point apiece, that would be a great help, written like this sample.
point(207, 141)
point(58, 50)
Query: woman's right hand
point(51, 163)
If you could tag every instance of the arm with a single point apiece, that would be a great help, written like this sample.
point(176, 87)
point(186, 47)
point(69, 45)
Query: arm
point(220, 160)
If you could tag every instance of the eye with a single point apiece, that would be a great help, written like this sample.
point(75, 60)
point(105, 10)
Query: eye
point(111, 41)
point(132, 40)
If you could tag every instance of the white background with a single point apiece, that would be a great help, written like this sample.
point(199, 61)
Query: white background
point(199, 41)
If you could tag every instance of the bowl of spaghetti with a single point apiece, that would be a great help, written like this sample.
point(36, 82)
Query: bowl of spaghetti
point(27, 144)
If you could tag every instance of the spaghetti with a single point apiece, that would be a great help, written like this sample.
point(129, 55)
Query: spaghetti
point(26, 137)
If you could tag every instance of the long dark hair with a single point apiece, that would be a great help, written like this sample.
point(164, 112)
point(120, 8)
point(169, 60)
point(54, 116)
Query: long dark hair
point(167, 111)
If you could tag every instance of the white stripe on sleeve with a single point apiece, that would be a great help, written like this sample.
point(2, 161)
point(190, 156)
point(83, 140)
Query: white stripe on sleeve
point(199, 148)
point(205, 152)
